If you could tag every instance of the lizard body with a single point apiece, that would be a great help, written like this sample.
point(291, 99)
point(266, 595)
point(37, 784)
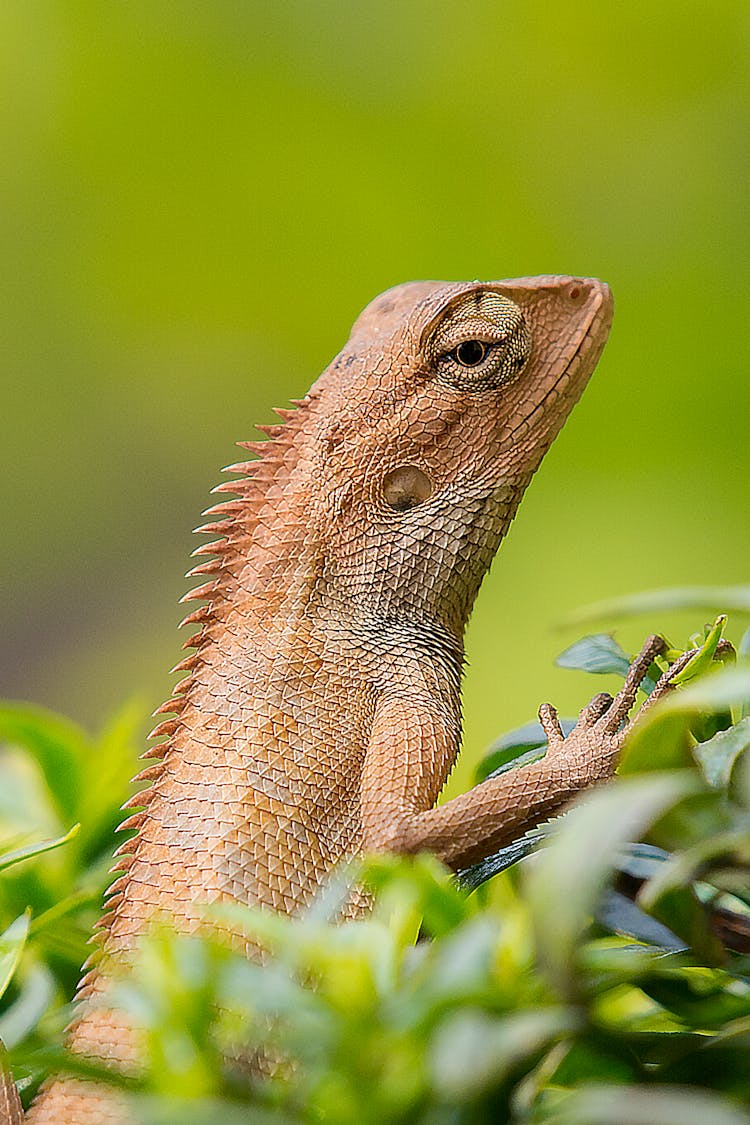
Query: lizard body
point(320, 713)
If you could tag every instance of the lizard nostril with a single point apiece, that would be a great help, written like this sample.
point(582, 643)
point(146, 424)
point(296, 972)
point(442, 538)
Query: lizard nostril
point(405, 487)
point(575, 292)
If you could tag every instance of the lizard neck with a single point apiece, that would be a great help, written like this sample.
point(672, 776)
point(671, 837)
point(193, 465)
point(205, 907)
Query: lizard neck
point(428, 571)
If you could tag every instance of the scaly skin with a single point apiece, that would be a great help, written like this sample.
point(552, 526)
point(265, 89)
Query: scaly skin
point(320, 715)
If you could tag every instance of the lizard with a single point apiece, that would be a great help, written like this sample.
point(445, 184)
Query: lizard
point(320, 712)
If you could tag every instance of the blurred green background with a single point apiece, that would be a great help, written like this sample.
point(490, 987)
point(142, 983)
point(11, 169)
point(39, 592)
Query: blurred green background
point(198, 198)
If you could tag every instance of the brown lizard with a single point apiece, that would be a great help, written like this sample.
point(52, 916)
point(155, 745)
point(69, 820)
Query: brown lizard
point(320, 712)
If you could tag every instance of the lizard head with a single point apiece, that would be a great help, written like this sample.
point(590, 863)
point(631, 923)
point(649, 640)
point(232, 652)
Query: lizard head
point(431, 422)
point(478, 377)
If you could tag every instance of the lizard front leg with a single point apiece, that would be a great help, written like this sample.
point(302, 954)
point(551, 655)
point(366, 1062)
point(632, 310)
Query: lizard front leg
point(414, 742)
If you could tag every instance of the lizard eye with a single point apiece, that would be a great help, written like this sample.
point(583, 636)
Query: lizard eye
point(469, 353)
point(480, 343)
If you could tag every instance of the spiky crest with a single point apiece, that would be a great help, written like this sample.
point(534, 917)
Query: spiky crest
point(233, 529)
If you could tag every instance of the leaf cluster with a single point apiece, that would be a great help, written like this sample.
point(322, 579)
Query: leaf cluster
point(60, 793)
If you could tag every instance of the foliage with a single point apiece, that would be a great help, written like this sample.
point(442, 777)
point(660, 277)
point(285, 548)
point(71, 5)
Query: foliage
point(59, 798)
point(599, 981)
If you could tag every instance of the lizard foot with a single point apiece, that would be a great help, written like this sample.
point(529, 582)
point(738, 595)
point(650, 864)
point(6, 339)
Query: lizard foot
point(592, 747)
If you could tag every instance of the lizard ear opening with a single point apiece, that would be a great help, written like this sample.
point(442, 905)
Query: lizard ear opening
point(405, 487)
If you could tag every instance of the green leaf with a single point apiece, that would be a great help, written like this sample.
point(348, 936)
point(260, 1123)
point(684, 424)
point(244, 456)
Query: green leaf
point(727, 687)
point(696, 861)
point(461, 965)
point(472, 1052)
point(661, 740)
point(679, 908)
point(646, 1105)
point(420, 887)
point(593, 1057)
point(511, 758)
point(704, 814)
point(618, 913)
point(12, 943)
point(59, 914)
point(516, 748)
point(18, 855)
point(704, 655)
point(601, 655)
point(37, 988)
point(567, 878)
point(609, 963)
point(719, 1061)
point(718, 755)
point(472, 877)
point(110, 766)
point(728, 598)
point(10, 1101)
point(662, 737)
point(700, 999)
point(60, 747)
point(598, 653)
point(743, 654)
point(641, 861)
point(149, 1109)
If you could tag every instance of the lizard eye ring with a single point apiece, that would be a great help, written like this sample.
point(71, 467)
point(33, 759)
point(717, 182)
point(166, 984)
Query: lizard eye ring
point(477, 364)
point(470, 353)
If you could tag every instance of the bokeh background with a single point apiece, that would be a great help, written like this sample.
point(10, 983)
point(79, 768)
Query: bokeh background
point(198, 198)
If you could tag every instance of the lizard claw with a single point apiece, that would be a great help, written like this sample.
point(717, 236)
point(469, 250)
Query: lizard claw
point(594, 710)
point(592, 746)
point(550, 721)
point(664, 685)
point(637, 672)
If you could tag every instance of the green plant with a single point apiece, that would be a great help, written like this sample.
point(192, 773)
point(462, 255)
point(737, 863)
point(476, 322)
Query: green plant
point(59, 798)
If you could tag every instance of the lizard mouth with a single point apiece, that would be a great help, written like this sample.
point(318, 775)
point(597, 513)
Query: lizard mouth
point(588, 349)
point(596, 331)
